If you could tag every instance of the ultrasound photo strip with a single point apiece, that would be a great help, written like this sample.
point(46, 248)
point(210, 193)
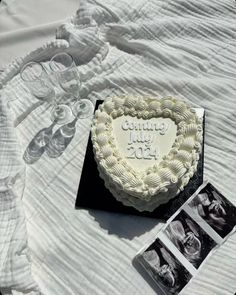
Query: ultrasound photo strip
point(166, 270)
point(189, 238)
point(212, 211)
point(201, 225)
point(191, 235)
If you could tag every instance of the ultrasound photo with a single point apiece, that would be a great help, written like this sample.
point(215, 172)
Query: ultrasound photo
point(215, 209)
point(164, 268)
point(189, 238)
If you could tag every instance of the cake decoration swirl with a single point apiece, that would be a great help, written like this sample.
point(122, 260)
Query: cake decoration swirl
point(132, 144)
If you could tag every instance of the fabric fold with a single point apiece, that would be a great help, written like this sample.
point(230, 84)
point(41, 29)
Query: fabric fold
point(15, 267)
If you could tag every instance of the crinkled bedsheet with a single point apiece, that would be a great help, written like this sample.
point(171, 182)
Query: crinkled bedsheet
point(185, 48)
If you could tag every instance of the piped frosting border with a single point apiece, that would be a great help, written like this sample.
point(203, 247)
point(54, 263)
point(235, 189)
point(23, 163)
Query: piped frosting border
point(175, 169)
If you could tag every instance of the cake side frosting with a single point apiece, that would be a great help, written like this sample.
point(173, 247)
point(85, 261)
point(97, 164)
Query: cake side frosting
point(137, 203)
point(174, 170)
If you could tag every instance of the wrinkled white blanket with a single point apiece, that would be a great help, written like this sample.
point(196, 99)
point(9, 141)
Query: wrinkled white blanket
point(26, 25)
point(148, 47)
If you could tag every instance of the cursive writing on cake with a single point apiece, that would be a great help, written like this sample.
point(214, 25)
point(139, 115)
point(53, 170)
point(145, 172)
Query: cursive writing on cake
point(141, 138)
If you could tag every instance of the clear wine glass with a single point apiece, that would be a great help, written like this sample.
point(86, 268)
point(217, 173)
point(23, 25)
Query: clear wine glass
point(37, 81)
point(64, 67)
point(61, 113)
point(35, 78)
point(83, 108)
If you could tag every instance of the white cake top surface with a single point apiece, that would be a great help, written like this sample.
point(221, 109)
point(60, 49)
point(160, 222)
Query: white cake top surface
point(145, 147)
point(143, 142)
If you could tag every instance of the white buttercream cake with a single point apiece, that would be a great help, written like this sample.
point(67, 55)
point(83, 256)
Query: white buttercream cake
point(146, 149)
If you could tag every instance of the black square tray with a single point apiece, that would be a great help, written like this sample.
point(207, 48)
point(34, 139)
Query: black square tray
point(92, 193)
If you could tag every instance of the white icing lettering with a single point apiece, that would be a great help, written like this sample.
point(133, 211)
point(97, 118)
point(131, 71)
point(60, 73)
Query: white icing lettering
point(131, 126)
point(141, 137)
point(162, 127)
point(131, 155)
point(142, 153)
point(125, 125)
point(137, 126)
point(139, 153)
point(145, 126)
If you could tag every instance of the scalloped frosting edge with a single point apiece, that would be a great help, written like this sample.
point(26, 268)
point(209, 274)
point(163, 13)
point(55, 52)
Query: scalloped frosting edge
point(175, 169)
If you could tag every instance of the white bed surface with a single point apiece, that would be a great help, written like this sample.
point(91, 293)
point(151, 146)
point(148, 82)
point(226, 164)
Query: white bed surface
point(27, 24)
point(159, 48)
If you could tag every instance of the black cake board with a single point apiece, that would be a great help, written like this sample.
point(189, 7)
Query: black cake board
point(92, 193)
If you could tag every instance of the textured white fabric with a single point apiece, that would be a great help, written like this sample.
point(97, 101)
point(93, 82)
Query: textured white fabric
point(182, 48)
point(14, 253)
point(27, 24)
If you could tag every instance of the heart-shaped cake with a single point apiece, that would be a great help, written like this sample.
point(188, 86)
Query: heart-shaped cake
point(146, 149)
